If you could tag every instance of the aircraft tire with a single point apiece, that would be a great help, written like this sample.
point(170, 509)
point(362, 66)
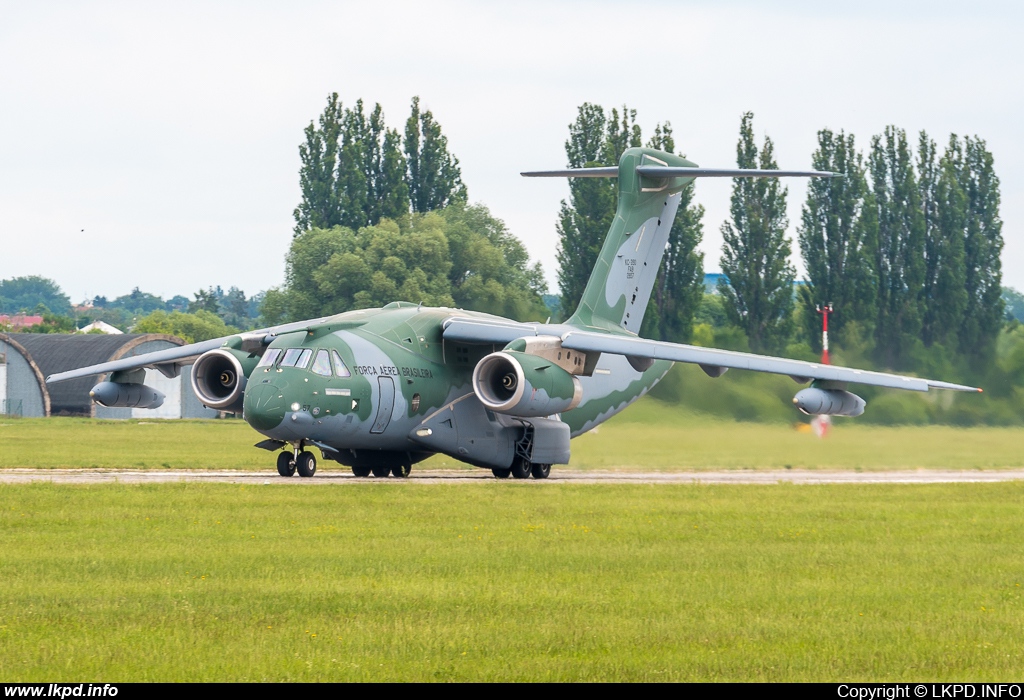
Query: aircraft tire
point(521, 469)
point(540, 471)
point(401, 470)
point(502, 473)
point(381, 472)
point(306, 464)
point(285, 464)
point(361, 471)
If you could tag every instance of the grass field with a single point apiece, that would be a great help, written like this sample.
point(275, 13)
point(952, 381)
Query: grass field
point(507, 581)
point(648, 436)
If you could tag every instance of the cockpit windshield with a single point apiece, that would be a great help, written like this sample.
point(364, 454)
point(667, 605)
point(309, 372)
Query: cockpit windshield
point(269, 357)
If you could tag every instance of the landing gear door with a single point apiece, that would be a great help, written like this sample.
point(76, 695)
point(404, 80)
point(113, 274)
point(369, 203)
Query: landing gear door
point(385, 404)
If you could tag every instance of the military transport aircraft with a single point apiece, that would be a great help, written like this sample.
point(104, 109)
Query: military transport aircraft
point(381, 389)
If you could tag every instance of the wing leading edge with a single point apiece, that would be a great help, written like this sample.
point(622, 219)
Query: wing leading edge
point(477, 331)
point(168, 361)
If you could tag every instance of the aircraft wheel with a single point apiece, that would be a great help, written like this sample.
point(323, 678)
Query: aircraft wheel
point(306, 464)
point(521, 469)
point(361, 471)
point(540, 471)
point(285, 464)
point(401, 470)
point(502, 473)
point(380, 472)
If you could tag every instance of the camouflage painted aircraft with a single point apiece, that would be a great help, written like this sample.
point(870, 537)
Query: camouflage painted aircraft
point(381, 389)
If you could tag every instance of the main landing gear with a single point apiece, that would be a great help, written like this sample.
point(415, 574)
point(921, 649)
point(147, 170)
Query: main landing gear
point(385, 468)
point(523, 468)
point(303, 462)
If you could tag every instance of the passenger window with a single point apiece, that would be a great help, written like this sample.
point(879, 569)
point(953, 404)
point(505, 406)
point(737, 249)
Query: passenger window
point(339, 367)
point(304, 359)
point(291, 356)
point(322, 364)
point(269, 357)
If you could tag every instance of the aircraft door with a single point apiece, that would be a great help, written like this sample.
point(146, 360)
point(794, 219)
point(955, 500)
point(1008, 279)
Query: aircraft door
point(385, 404)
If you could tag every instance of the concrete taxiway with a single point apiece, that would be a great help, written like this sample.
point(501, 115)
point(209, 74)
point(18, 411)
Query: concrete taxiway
point(455, 476)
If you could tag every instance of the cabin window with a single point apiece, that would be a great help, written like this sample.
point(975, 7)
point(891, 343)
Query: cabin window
point(339, 366)
point(304, 358)
point(415, 403)
point(322, 364)
point(269, 357)
point(291, 356)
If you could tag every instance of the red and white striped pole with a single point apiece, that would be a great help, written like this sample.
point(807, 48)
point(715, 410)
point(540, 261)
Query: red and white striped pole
point(824, 311)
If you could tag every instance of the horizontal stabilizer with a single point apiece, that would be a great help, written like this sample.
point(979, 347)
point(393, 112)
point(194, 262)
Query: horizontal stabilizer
point(661, 171)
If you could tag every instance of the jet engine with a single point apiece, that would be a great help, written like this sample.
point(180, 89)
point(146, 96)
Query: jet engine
point(219, 377)
point(828, 402)
point(525, 385)
point(126, 395)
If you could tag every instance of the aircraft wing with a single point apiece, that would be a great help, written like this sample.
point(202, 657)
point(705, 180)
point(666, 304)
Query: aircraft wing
point(710, 359)
point(168, 361)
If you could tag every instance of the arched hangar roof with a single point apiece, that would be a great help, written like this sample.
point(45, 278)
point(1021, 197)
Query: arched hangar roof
point(9, 339)
point(58, 352)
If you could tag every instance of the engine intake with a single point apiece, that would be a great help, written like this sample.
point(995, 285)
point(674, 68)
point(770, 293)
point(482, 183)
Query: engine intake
point(525, 385)
point(122, 395)
point(219, 378)
point(828, 402)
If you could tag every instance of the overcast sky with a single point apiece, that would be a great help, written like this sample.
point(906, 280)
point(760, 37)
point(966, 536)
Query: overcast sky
point(156, 145)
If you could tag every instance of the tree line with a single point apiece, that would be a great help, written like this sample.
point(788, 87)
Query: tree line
point(906, 246)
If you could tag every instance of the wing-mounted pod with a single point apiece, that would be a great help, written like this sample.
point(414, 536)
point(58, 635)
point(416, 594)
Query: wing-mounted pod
point(531, 377)
point(126, 390)
point(219, 376)
point(815, 401)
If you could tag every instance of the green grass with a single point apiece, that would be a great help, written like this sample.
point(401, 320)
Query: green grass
point(511, 581)
point(648, 436)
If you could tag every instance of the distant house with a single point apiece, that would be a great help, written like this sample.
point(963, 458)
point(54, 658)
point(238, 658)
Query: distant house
point(18, 321)
point(101, 327)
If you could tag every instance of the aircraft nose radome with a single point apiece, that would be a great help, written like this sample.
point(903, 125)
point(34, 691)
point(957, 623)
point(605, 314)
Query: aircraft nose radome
point(264, 406)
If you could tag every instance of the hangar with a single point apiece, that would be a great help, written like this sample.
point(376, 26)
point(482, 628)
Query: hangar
point(26, 359)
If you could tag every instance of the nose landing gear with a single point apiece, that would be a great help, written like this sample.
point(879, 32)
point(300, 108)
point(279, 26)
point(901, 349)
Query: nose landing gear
point(300, 460)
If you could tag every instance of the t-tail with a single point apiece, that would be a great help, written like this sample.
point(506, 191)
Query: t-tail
point(649, 186)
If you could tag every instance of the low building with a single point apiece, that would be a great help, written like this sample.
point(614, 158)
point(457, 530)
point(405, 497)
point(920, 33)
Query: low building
point(100, 327)
point(26, 359)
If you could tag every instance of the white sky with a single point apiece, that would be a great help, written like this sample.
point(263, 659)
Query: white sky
point(169, 132)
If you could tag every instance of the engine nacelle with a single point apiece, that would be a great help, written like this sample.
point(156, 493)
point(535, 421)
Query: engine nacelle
point(121, 395)
point(525, 385)
point(828, 402)
point(219, 377)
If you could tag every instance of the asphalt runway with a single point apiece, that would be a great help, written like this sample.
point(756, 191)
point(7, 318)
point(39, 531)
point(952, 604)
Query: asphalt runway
point(338, 477)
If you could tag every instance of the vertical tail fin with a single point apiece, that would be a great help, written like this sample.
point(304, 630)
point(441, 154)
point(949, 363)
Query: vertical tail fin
point(620, 286)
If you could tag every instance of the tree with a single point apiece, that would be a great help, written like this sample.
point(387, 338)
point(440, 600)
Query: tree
point(491, 269)
point(755, 255)
point(353, 171)
point(138, 302)
point(833, 239)
point(434, 177)
point(944, 211)
point(898, 236)
point(190, 327)
point(460, 255)
point(24, 293)
point(983, 316)
point(584, 221)
point(679, 289)
point(205, 300)
point(319, 207)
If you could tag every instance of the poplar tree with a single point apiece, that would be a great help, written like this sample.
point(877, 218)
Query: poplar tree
point(585, 219)
point(679, 288)
point(983, 316)
point(834, 241)
point(898, 223)
point(317, 177)
point(944, 210)
point(434, 177)
point(758, 293)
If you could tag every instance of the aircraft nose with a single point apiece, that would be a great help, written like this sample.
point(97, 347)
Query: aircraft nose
point(264, 406)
